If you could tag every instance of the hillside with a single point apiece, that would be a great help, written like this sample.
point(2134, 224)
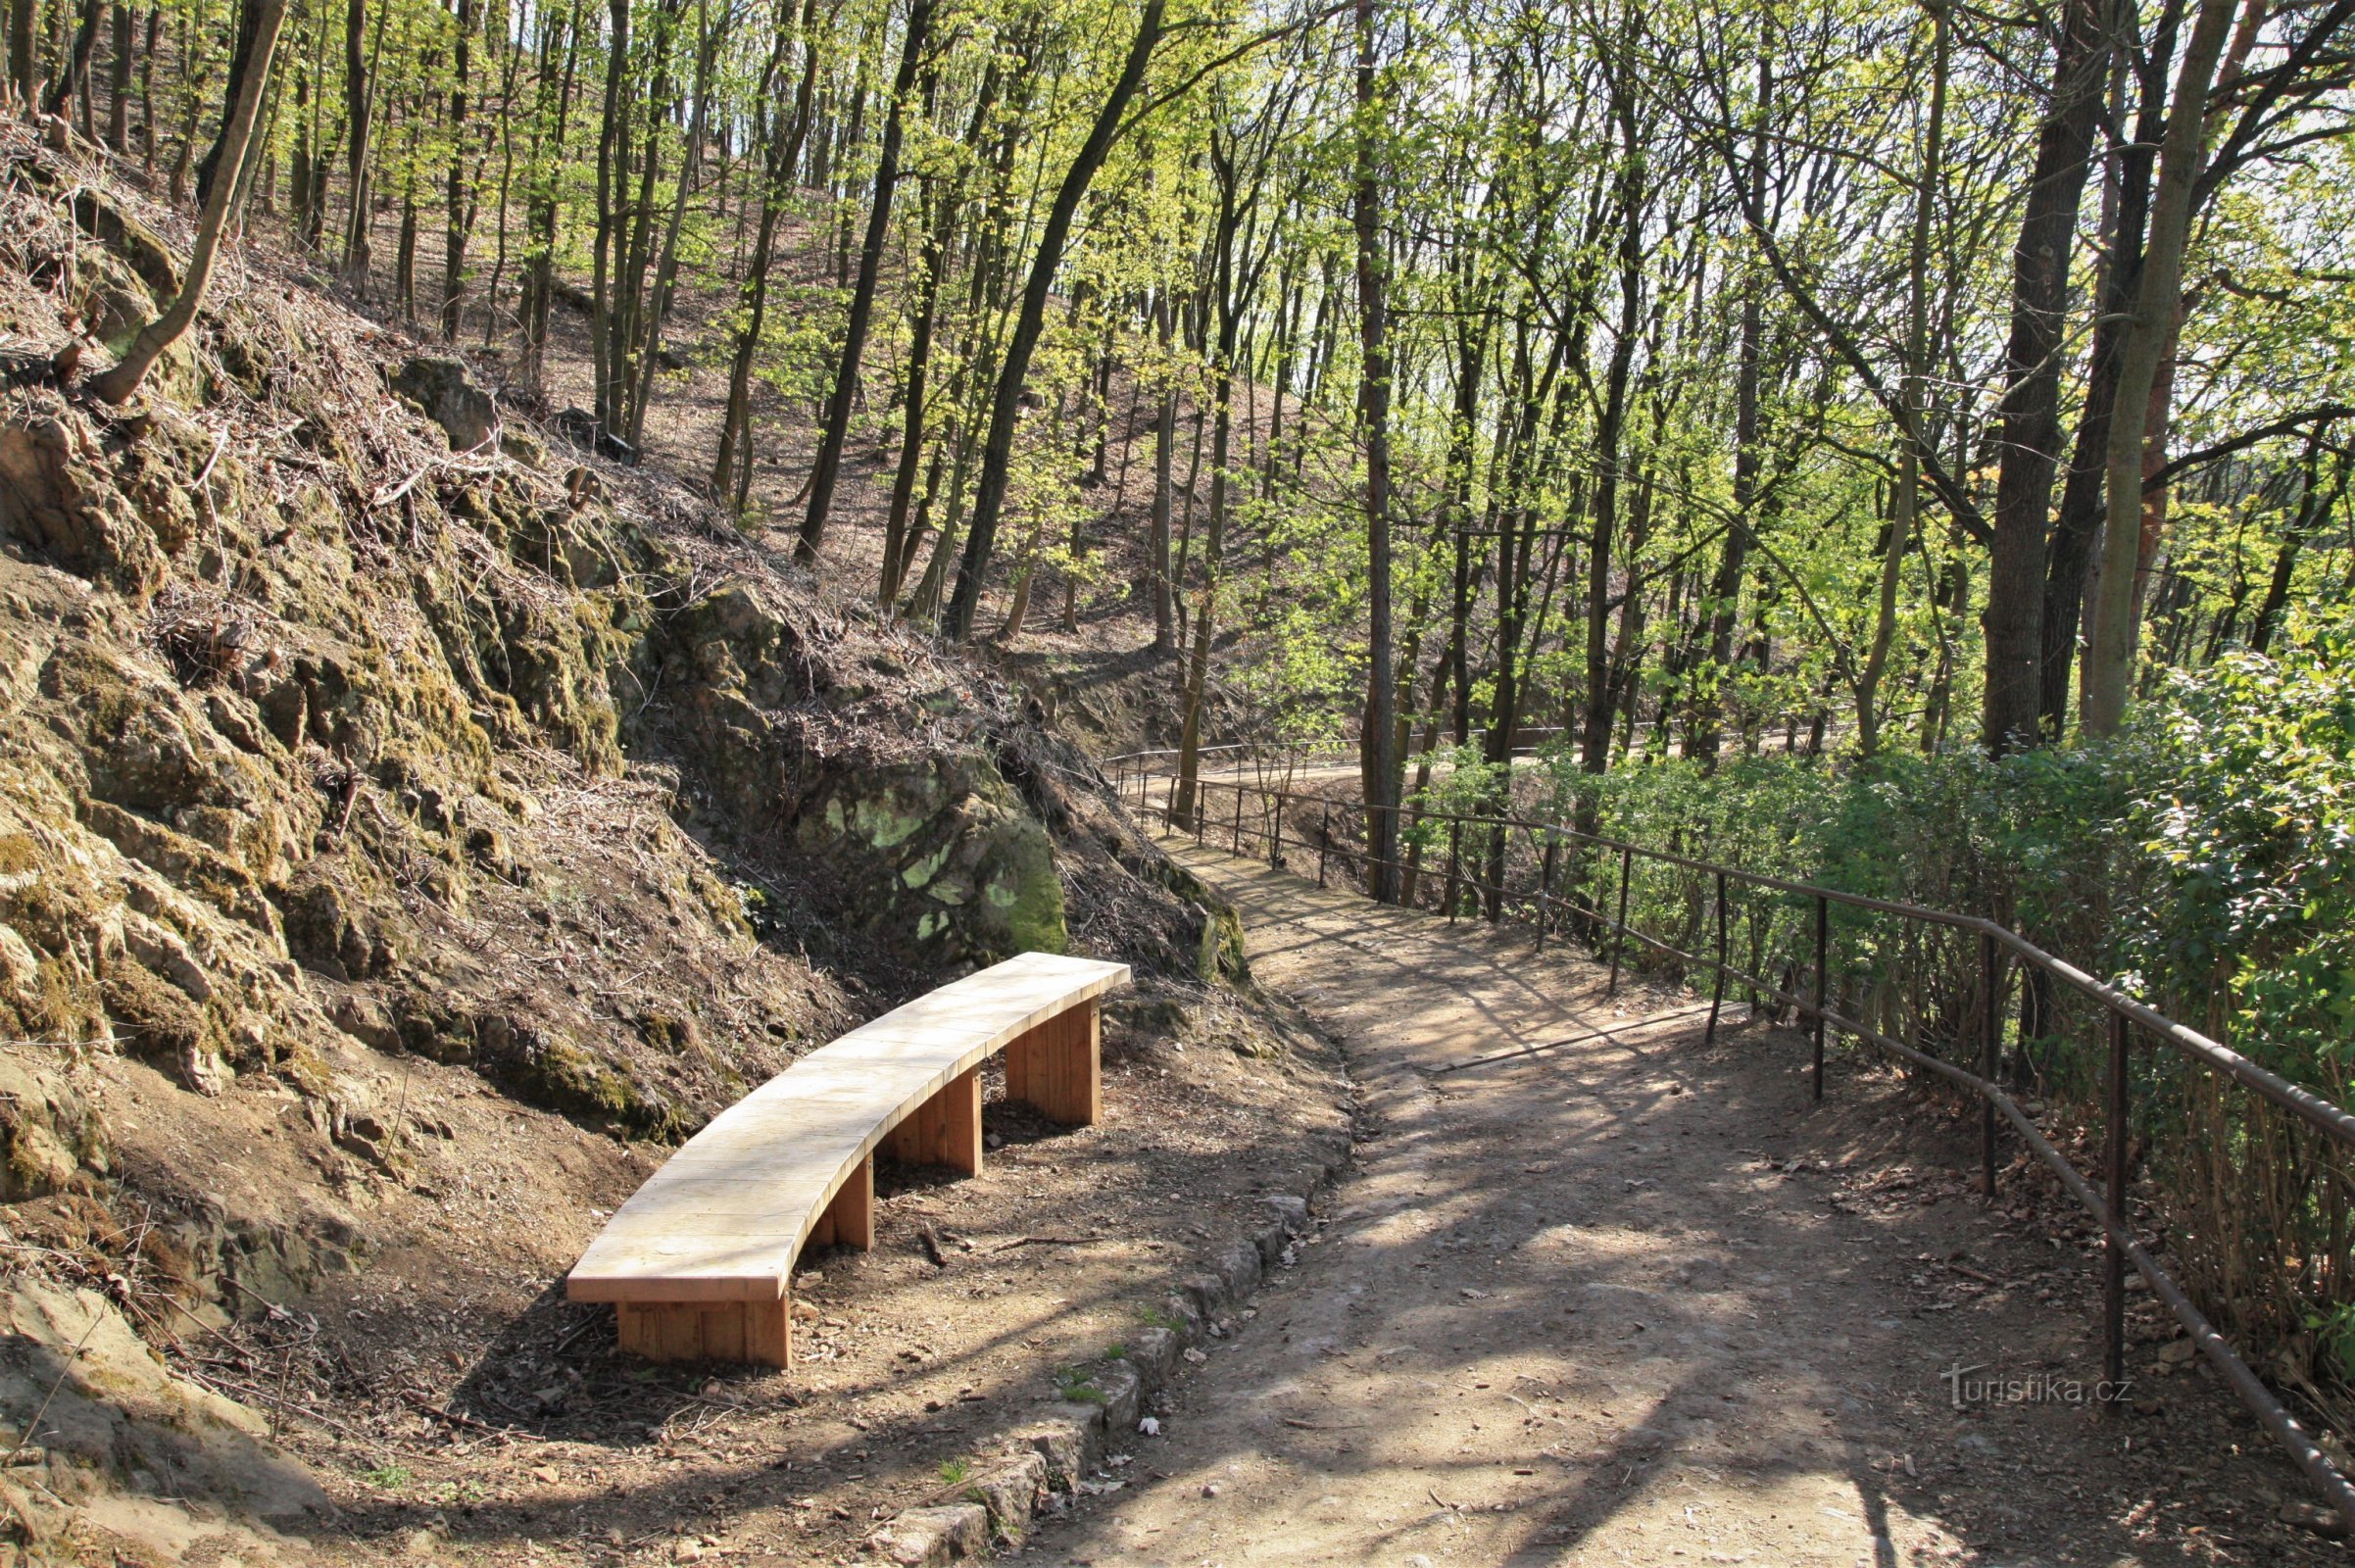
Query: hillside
point(406, 837)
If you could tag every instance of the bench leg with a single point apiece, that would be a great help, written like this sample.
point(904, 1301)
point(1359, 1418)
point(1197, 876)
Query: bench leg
point(707, 1331)
point(945, 1130)
point(850, 1219)
point(1058, 1067)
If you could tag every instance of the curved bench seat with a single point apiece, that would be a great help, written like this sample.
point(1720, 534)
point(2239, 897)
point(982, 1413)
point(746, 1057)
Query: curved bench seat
point(698, 1261)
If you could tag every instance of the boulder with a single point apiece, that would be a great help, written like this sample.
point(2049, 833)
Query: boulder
point(945, 862)
point(58, 500)
point(108, 1411)
point(587, 431)
point(446, 392)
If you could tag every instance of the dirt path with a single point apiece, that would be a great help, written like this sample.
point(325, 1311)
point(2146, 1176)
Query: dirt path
point(1631, 1299)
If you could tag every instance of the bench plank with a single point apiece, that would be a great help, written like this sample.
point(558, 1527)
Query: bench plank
point(700, 1258)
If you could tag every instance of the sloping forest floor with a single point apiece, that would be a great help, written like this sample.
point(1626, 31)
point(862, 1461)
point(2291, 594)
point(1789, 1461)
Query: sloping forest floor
point(400, 849)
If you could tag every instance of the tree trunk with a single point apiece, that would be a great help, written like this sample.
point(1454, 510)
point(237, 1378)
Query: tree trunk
point(613, 173)
point(1907, 498)
point(1164, 449)
point(2070, 551)
point(862, 296)
point(1706, 723)
point(1595, 739)
point(458, 212)
point(21, 67)
point(732, 465)
point(540, 210)
point(118, 82)
point(899, 545)
point(1377, 741)
point(709, 34)
point(996, 453)
point(147, 89)
point(120, 383)
point(2109, 655)
point(358, 97)
point(74, 76)
point(2031, 437)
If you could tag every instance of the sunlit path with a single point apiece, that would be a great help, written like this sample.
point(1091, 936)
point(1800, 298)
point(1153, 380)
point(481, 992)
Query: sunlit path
point(1576, 1306)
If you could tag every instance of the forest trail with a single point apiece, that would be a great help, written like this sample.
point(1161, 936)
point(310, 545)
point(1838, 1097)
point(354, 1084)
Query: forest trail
point(1631, 1298)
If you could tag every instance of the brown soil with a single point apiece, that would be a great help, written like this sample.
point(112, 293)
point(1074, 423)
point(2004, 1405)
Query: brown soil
point(1631, 1297)
point(540, 876)
point(479, 1407)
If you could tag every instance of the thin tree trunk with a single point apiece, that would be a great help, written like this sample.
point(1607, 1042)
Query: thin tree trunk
point(862, 297)
point(549, 125)
point(22, 69)
point(120, 382)
point(147, 89)
point(1725, 591)
point(1377, 744)
point(613, 173)
point(1595, 739)
point(358, 96)
point(119, 82)
point(2069, 557)
point(1164, 448)
point(458, 201)
point(708, 37)
point(996, 453)
point(899, 545)
point(732, 467)
point(1907, 498)
point(74, 73)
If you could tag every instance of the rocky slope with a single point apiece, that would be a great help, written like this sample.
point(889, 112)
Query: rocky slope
point(391, 794)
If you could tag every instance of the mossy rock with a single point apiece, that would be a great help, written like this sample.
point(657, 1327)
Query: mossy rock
point(940, 859)
point(57, 501)
point(157, 1022)
point(333, 928)
point(539, 1066)
point(49, 1141)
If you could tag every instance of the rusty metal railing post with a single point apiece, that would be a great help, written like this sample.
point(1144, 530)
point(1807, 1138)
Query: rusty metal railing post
point(1627, 863)
point(1823, 983)
point(2113, 1253)
point(1202, 811)
point(1238, 818)
point(1717, 992)
point(1324, 842)
point(1275, 830)
point(1456, 838)
point(1546, 888)
point(1491, 894)
point(1991, 965)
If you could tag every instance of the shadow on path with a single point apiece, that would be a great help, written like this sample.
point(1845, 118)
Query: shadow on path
point(1598, 1294)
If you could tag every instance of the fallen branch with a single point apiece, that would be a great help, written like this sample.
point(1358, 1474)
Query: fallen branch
point(1041, 1241)
point(440, 1413)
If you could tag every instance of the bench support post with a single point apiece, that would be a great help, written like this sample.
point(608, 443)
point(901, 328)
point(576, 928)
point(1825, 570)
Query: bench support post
point(706, 1331)
point(1058, 1067)
point(945, 1130)
point(849, 1218)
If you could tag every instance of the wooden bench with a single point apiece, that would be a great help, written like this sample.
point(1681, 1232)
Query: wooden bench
point(698, 1262)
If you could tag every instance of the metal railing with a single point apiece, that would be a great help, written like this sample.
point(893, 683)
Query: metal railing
point(1341, 749)
point(1557, 897)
